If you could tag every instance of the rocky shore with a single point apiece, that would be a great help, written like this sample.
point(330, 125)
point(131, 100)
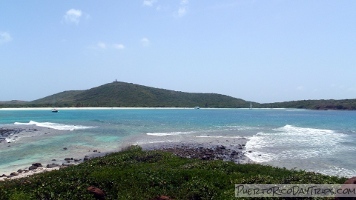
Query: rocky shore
point(225, 148)
point(213, 150)
point(203, 151)
point(39, 168)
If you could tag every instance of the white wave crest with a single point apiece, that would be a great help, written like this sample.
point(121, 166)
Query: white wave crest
point(62, 127)
point(168, 134)
point(294, 142)
point(219, 136)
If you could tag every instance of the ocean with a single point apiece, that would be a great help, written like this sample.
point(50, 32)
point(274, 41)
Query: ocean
point(318, 141)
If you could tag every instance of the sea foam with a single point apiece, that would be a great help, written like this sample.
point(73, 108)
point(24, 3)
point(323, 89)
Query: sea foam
point(292, 142)
point(169, 133)
point(62, 127)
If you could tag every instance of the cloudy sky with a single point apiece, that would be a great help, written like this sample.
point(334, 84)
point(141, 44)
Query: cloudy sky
point(257, 50)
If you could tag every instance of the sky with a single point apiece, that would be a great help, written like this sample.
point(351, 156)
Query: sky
point(258, 50)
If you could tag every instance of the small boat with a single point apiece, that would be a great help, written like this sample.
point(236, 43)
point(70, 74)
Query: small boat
point(196, 107)
point(54, 110)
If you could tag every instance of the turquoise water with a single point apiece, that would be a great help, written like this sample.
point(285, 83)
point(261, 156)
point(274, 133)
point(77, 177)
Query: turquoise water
point(321, 141)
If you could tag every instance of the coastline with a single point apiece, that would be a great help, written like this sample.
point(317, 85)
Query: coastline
point(131, 108)
point(206, 148)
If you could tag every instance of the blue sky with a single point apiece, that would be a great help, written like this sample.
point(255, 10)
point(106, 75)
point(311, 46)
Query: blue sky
point(264, 51)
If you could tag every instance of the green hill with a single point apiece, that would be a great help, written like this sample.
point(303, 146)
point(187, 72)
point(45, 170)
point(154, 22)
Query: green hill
point(120, 94)
point(331, 104)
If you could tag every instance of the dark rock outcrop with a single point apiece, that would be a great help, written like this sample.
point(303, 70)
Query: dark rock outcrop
point(349, 184)
point(98, 193)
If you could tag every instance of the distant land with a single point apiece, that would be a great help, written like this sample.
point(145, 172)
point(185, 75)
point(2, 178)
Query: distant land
point(121, 94)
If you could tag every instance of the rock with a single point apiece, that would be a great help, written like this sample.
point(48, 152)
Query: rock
point(98, 193)
point(65, 148)
point(95, 151)
point(32, 167)
point(350, 184)
point(162, 197)
point(37, 164)
point(52, 165)
point(67, 159)
point(351, 180)
point(77, 160)
point(14, 174)
point(20, 171)
point(54, 160)
point(67, 164)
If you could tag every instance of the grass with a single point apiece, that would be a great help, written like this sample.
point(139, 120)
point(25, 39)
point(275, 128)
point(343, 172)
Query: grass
point(137, 174)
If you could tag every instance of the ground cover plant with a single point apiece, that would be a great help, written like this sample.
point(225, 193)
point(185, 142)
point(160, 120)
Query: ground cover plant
point(138, 174)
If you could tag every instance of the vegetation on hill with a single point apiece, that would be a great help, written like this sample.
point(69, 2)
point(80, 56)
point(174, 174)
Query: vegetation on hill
point(120, 94)
point(137, 174)
point(345, 104)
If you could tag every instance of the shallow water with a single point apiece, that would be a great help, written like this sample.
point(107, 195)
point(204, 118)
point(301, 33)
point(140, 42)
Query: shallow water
point(321, 141)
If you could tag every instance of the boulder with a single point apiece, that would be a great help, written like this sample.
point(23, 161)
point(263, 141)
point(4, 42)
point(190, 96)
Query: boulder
point(67, 164)
point(14, 174)
point(98, 193)
point(162, 197)
point(350, 184)
point(37, 164)
point(32, 167)
point(52, 165)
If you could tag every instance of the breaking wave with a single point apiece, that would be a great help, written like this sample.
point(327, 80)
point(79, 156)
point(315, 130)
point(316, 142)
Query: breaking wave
point(62, 127)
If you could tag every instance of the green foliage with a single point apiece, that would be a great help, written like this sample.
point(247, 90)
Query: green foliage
point(344, 104)
point(120, 94)
point(137, 174)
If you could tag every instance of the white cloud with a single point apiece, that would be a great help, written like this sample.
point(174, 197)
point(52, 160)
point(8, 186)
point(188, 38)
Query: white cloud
point(182, 10)
point(119, 46)
point(5, 37)
point(73, 16)
point(184, 2)
point(149, 2)
point(101, 45)
point(145, 42)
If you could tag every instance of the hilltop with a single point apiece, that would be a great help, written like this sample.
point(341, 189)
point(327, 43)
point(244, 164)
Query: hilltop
point(121, 94)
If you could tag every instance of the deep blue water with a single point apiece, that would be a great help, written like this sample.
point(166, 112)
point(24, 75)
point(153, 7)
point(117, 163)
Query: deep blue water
point(321, 141)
